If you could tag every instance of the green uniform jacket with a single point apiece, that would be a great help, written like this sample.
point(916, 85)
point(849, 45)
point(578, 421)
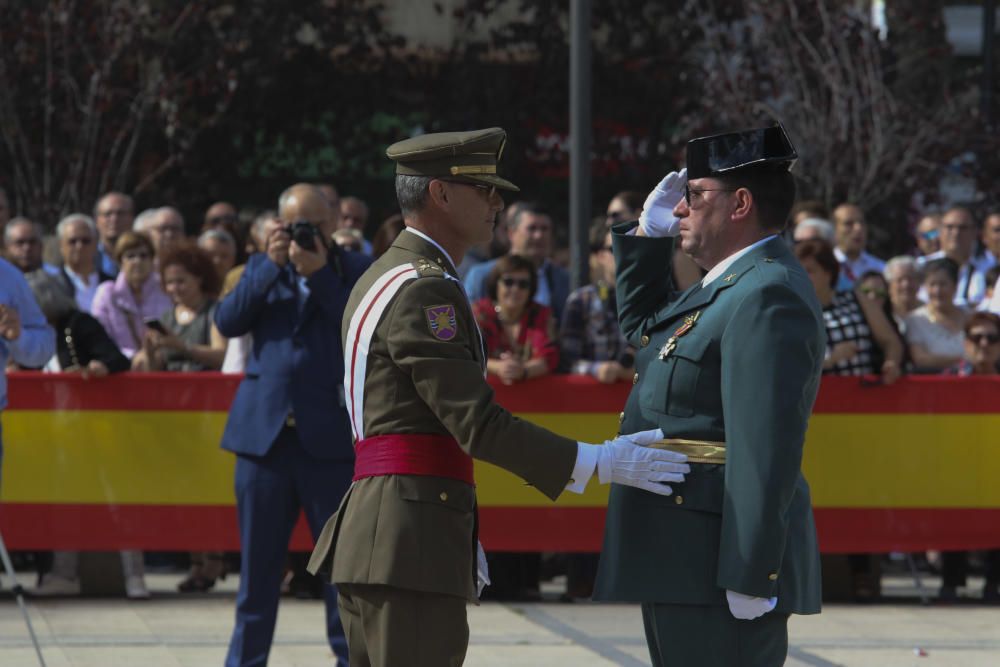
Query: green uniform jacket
point(418, 532)
point(746, 373)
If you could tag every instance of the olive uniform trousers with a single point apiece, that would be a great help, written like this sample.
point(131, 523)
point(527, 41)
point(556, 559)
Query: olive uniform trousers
point(409, 628)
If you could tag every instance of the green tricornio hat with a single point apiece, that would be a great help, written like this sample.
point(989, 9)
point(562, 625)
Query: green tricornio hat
point(466, 157)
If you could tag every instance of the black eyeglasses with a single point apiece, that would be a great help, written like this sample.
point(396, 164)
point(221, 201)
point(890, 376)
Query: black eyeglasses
point(489, 190)
point(699, 191)
point(980, 338)
point(522, 283)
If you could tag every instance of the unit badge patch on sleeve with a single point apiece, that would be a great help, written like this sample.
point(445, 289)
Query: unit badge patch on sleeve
point(441, 320)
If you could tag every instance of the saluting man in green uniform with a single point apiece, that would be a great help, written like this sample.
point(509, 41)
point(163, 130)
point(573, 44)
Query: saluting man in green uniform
point(403, 545)
point(729, 371)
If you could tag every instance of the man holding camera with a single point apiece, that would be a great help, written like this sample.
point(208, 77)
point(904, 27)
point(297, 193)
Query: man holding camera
point(287, 425)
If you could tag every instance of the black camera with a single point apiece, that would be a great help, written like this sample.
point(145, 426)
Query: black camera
point(304, 233)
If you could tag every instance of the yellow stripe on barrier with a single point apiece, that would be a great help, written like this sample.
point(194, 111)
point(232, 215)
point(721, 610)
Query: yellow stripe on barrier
point(121, 457)
point(173, 458)
point(903, 460)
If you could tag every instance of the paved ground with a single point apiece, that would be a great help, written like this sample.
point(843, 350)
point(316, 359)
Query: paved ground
point(173, 631)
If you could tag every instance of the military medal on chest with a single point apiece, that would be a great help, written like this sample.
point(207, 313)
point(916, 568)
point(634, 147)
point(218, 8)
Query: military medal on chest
point(671, 343)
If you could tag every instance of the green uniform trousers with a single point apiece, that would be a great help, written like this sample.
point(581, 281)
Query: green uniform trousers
point(390, 627)
point(709, 636)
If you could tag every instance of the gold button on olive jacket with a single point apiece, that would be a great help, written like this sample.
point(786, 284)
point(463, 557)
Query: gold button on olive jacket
point(418, 532)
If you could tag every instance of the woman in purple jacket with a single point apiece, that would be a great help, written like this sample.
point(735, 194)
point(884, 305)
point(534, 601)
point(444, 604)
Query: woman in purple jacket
point(135, 295)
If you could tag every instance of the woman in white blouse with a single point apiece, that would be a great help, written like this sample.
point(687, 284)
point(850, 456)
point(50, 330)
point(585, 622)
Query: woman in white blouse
point(934, 331)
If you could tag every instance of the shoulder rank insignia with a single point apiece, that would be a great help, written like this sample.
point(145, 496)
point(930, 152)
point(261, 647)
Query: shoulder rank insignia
point(441, 320)
point(426, 267)
point(671, 343)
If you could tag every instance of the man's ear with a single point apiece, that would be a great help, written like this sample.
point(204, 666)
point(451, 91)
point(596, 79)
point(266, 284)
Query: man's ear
point(438, 192)
point(744, 204)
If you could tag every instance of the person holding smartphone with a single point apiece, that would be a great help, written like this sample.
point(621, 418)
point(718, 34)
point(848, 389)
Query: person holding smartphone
point(181, 339)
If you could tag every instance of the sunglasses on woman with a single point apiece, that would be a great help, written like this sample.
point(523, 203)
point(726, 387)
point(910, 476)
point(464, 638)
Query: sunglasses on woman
point(520, 283)
point(980, 338)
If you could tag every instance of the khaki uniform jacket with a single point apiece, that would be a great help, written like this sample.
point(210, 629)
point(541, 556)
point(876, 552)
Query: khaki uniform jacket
point(746, 373)
point(419, 532)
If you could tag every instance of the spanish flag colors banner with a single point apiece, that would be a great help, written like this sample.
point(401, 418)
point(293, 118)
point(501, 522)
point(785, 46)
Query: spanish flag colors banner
point(134, 461)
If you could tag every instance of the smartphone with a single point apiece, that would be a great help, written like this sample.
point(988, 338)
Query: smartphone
point(156, 325)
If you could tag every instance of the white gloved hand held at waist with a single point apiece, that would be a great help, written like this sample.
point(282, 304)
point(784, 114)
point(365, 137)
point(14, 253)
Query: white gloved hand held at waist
point(657, 218)
point(748, 607)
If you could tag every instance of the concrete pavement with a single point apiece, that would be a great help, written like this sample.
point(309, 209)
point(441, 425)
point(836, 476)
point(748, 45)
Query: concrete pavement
point(174, 630)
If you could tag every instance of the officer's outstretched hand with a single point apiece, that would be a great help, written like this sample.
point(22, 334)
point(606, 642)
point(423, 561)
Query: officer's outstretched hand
point(657, 217)
point(628, 460)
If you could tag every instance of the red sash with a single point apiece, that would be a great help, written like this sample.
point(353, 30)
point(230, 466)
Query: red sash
point(412, 454)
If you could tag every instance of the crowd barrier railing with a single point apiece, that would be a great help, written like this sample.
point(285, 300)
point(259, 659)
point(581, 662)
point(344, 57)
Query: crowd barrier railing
point(133, 461)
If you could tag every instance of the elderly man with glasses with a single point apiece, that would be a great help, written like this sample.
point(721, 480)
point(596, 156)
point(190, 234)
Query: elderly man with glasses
point(958, 233)
point(79, 274)
point(114, 213)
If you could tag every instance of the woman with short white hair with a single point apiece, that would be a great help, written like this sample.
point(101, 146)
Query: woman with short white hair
point(904, 277)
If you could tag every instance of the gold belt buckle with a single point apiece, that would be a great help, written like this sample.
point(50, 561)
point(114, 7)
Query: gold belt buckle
point(697, 451)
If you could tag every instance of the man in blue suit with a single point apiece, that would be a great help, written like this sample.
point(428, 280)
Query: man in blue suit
point(287, 425)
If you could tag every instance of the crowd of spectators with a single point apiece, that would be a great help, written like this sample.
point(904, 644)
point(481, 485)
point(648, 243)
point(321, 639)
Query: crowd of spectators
point(138, 291)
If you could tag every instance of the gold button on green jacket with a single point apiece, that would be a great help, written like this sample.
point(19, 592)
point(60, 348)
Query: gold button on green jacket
point(418, 532)
point(738, 362)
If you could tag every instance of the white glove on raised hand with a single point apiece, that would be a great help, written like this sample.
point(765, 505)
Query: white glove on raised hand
point(657, 217)
point(628, 460)
point(747, 607)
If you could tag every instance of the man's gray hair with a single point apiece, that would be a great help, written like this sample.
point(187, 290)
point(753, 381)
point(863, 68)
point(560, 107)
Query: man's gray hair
point(900, 262)
point(8, 229)
point(412, 192)
point(73, 218)
point(144, 220)
point(52, 298)
point(220, 235)
point(823, 227)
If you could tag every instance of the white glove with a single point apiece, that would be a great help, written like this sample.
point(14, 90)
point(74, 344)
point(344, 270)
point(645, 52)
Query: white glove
point(482, 569)
point(657, 217)
point(627, 460)
point(747, 607)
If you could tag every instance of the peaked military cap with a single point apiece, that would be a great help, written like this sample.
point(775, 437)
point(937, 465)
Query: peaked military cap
point(466, 157)
point(722, 153)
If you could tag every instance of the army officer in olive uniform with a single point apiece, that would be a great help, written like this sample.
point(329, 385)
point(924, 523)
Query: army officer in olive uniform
point(402, 546)
point(729, 371)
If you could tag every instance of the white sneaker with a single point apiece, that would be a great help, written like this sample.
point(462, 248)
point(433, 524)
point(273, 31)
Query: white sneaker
point(56, 585)
point(135, 588)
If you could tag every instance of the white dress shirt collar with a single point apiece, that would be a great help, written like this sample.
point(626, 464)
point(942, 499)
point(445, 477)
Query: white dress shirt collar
point(431, 241)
